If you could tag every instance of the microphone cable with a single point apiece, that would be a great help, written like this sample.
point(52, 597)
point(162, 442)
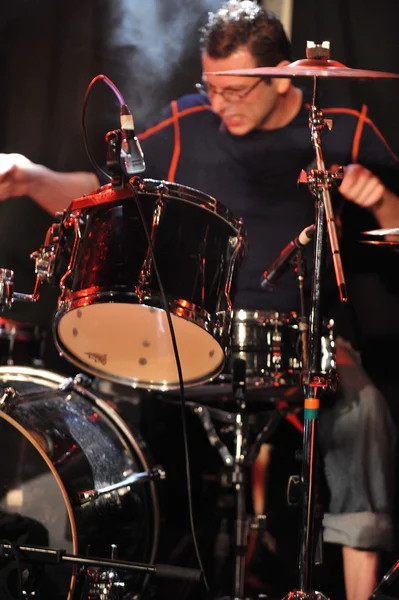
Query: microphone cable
point(121, 101)
point(168, 317)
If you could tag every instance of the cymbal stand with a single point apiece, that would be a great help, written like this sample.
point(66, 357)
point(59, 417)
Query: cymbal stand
point(315, 381)
point(303, 321)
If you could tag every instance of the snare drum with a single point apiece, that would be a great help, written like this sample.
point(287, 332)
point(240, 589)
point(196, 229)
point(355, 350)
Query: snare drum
point(270, 343)
point(110, 319)
point(66, 455)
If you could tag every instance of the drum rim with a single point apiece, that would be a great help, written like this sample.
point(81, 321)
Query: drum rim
point(261, 316)
point(60, 483)
point(55, 380)
point(202, 320)
point(106, 194)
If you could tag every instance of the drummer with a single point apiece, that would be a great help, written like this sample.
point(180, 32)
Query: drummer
point(244, 141)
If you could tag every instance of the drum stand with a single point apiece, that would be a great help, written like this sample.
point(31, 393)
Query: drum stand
point(315, 381)
point(388, 578)
point(104, 576)
point(237, 464)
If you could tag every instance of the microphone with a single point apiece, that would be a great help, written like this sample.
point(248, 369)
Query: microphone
point(280, 265)
point(132, 157)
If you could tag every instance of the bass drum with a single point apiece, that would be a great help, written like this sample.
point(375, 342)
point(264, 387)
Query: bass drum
point(57, 441)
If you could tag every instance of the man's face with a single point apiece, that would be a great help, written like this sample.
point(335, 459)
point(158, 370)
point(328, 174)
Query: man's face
point(255, 110)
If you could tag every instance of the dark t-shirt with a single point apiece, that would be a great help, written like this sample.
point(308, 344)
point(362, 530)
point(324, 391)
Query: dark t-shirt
point(256, 175)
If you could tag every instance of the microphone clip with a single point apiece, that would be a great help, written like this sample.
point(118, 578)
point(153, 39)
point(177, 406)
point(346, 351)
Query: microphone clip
point(114, 150)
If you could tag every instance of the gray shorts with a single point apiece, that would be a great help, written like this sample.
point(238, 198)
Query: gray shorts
point(358, 442)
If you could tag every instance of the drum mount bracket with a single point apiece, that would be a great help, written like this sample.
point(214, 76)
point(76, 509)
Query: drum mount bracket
point(7, 294)
point(44, 259)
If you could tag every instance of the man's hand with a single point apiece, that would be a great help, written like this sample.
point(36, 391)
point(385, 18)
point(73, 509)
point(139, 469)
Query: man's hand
point(361, 186)
point(52, 190)
point(17, 176)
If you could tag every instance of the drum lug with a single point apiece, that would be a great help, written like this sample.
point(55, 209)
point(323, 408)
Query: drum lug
point(7, 399)
point(83, 380)
point(67, 384)
point(87, 496)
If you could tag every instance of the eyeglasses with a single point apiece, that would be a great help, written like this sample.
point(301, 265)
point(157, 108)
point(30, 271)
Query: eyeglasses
point(227, 94)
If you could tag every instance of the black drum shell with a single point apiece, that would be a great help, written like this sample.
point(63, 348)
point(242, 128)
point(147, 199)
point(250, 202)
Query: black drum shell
point(103, 257)
point(84, 444)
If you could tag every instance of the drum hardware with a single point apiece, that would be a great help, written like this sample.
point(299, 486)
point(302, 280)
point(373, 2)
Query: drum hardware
point(236, 464)
point(104, 585)
point(62, 438)
point(382, 232)
point(319, 181)
point(316, 64)
point(377, 234)
point(52, 556)
point(272, 344)
point(300, 272)
point(273, 274)
point(384, 243)
point(157, 473)
point(238, 480)
point(102, 230)
point(389, 577)
point(7, 399)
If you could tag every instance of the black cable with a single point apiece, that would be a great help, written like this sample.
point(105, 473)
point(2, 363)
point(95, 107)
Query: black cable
point(181, 383)
point(18, 565)
point(83, 118)
point(122, 102)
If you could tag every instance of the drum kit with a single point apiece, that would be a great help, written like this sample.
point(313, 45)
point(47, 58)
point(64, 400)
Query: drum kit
point(145, 271)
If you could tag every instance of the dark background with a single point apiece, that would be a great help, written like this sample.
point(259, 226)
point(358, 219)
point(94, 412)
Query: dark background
point(49, 52)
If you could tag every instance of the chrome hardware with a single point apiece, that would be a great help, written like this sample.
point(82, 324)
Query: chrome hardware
point(83, 379)
point(67, 384)
point(6, 288)
point(318, 51)
point(315, 179)
point(7, 294)
point(259, 523)
point(157, 473)
point(7, 399)
point(44, 262)
point(105, 585)
point(45, 257)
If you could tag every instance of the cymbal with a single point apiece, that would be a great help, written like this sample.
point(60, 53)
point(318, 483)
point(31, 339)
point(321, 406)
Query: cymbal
point(381, 243)
point(310, 67)
point(382, 232)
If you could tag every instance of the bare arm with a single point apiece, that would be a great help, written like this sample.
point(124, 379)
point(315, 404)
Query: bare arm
point(365, 189)
point(50, 189)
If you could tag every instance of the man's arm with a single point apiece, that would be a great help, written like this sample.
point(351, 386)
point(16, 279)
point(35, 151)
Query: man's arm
point(52, 190)
point(365, 189)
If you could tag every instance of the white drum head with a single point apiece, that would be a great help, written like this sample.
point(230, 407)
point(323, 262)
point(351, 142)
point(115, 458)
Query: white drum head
point(131, 343)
